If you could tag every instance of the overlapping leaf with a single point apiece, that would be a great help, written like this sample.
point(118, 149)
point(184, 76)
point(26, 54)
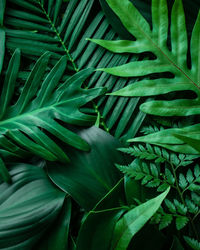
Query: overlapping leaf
point(173, 60)
point(40, 107)
point(62, 28)
point(28, 207)
point(132, 221)
point(89, 174)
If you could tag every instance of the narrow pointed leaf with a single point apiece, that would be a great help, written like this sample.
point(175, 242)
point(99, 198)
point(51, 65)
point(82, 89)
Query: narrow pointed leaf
point(134, 220)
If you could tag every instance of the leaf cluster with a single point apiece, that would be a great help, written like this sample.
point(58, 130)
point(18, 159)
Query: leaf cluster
point(59, 132)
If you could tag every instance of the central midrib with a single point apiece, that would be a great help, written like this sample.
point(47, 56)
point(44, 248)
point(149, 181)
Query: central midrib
point(35, 111)
point(148, 36)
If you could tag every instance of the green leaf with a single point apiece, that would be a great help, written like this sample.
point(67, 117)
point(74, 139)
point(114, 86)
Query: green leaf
point(62, 28)
point(2, 46)
point(173, 60)
point(58, 234)
point(166, 220)
point(172, 139)
point(194, 187)
point(9, 82)
point(182, 181)
point(194, 244)
point(28, 207)
point(169, 176)
point(4, 172)
point(194, 143)
point(170, 206)
point(134, 220)
point(103, 218)
point(41, 104)
point(89, 174)
point(181, 221)
point(182, 209)
point(2, 9)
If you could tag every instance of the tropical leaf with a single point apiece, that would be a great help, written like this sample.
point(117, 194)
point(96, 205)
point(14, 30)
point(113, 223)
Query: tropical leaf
point(38, 23)
point(134, 220)
point(57, 237)
point(89, 174)
point(103, 217)
point(28, 207)
point(41, 105)
point(173, 139)
point(173, 60)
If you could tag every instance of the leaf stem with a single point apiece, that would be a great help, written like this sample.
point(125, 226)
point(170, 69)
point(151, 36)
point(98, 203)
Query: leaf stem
point(182, 199)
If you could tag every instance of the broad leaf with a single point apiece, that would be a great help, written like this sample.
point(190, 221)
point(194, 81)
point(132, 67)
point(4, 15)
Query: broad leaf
point(57, 235)
point(97, 229)
point(40, 107)
point(134, 220)
point(89, 174)
point(176, 139)
point(167, 60)
point(28, 207)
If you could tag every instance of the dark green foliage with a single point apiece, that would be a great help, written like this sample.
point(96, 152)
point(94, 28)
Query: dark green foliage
point(157, 168)
point(194, 244)
point(68, 194)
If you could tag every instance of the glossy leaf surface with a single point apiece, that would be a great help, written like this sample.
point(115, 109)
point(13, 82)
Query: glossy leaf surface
point(166, 60)
point(28, 207)
point(97, 229)
point(89, 174)
point(134, 220)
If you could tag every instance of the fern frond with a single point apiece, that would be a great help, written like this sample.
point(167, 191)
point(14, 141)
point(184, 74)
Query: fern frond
point(149, 175)
point(194, 244)
point(191, 180)
point(147, 153)
point(165, 221)
point(150, 129)
point(181, 222)
point(192, 208)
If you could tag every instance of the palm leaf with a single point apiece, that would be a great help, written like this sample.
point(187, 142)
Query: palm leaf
point(27, 125)
point(28, 207)
point(173, 60)
point(38, 23)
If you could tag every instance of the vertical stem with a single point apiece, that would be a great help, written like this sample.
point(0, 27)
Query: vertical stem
point(182, 199)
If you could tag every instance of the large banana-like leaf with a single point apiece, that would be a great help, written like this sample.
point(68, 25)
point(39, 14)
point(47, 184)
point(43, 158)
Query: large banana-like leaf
point(28, 207)
point(168, 58)
point(62, 28)
point(27, 124)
